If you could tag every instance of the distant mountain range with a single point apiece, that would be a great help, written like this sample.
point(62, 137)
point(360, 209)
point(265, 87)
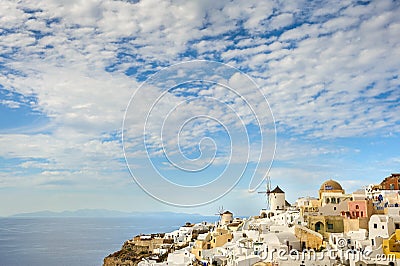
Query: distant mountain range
point(107, 213)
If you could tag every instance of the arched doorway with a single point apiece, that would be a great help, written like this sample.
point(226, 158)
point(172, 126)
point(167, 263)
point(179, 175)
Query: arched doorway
point(319, 227)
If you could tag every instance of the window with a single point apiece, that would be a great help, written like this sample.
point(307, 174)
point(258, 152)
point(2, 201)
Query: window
point(383, 227)
point(330, 226)
point(338, 201)
point(357, 207)
point(375, 226)
point(334, 208)
point(333, 200)
point(372, 242)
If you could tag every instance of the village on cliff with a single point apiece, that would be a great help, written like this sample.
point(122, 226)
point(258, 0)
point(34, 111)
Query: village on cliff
point(357, 229)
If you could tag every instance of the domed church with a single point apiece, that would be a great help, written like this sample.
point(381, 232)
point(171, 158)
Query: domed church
point(331, 192)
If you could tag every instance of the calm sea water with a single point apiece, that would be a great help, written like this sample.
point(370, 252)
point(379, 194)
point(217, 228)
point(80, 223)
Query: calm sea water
point(73, 241)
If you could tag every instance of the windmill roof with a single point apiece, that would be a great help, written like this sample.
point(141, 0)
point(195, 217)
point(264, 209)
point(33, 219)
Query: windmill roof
point(277, 190)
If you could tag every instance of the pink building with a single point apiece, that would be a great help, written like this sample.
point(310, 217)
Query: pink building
point(359, 209)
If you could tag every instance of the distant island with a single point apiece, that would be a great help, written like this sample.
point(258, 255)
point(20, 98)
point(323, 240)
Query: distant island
point(103, 213)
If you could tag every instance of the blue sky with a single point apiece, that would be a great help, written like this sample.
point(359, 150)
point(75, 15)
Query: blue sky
point(329, 70)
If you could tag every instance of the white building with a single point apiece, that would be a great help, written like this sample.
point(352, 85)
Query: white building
point(181, 236)
point(359, 194)
point(383, 226)
point(244, 260)
point(324, 261)
point(380, 227)
point(273, 243)
point(383, 198)
point(372, 262)
point(305, 201)
point(152, 263)
point(354, 240)
point(181, 257)
point(288, 218)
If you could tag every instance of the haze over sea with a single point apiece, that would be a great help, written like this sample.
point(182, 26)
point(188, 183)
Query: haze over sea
point(76, 240)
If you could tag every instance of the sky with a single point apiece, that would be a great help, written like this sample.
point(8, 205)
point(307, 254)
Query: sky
point(204, 89)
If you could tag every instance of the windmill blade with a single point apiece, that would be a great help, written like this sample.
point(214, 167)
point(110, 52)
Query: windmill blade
point(268, 186)
point(268, 191)
point(220, 211)
point(268, 183)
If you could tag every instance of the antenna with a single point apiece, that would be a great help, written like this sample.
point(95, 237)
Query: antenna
point(268, 187)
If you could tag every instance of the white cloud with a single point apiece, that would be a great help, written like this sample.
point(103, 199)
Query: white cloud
point(10, 103)
point(334, 75)
point(280, 21)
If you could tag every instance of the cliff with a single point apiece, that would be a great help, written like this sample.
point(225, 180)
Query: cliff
point(130, 254)
point(133, 251)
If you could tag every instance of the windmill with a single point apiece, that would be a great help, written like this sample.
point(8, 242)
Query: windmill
point(220, 211)
point(268, 191)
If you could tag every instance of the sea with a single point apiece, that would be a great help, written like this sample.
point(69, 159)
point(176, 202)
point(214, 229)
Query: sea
point(74, 240)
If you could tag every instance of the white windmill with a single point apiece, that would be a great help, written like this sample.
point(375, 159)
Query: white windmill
point(226, 217)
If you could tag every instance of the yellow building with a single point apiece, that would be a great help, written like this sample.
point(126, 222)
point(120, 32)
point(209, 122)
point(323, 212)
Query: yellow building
point(219, 237)
point(308, 206)
point(391, 246)
point(326, 224)
point(309, 239)
point(331, 192)
point(355, 224)
point(214, 239)
point(321, 220)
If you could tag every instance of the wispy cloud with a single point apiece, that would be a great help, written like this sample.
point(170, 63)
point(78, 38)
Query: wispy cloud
point(329, 71)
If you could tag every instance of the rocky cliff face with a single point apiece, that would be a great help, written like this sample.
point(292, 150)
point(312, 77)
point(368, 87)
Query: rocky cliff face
point(130, 254)
point(133, 251)
point(141, 247)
